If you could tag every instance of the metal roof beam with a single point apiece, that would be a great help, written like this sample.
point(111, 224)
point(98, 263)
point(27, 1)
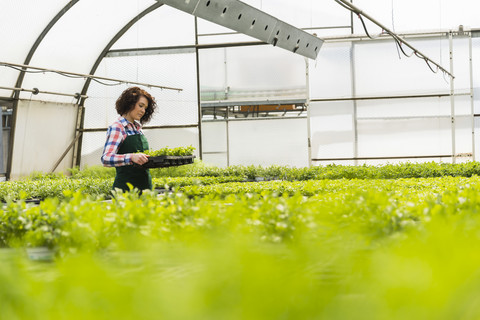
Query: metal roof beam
point(251, 21)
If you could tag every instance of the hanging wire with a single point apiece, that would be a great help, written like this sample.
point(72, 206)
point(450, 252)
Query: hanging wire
point(397, 46)
point(399, 41)
point(28, 69)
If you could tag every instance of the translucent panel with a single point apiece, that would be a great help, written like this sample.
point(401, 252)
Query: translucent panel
point(307, 13)
point(418, 107)
point(214, 137)
point(21, 23)
point(388, 128)
point(216, 159)
point(463, 105)
point(92, 148)
point(379, 71)
point(174, 108)
point(476, 75)
point(332, 129)
point(253, 73)
point(39, 146)
point(213, 70)
point(214, 143)
point(268, 142)
point(421, 15)
point(330, 74)
point(165, 26)
point(461, 66)
point(463, 135)
point(172, 138)
point(76, 40)
point(408, 137)
point(477, 138)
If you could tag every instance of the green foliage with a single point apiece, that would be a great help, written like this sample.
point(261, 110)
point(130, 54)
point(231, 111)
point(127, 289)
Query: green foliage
point(178, 151)
point(320, 249)
point(96, 172)
point(44, 188)
point(220, 249)
point(275, 172)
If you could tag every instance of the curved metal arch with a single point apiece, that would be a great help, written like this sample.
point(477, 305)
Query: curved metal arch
point(112, 42)
point(39, 40)
point(21, 77)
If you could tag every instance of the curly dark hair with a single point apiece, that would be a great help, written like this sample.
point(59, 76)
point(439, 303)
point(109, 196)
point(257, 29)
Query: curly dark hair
point(130, 97)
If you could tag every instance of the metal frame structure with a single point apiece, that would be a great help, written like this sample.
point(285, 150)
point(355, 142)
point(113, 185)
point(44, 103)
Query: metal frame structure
point(297, 41)
point(241, 17)
point(214, 15)
point(452, 94)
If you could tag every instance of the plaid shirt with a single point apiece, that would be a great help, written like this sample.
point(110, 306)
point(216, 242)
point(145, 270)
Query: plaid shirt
point(116, 133)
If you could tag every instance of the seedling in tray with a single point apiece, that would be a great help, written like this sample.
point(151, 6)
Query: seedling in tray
point(167, 157)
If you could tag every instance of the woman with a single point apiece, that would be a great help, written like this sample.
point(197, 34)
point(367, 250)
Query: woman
point(125, 139)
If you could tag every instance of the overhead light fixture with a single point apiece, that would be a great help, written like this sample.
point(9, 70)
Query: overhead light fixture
point(248, 20)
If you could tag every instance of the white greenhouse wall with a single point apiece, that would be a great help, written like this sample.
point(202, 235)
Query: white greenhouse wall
point(269, 142)
point(43, 132)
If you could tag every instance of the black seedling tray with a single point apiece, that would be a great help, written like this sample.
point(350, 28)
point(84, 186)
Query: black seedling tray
point(168, 161)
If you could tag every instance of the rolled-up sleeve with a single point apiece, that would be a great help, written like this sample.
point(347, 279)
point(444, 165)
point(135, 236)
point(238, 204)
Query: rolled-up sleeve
point(110, 158)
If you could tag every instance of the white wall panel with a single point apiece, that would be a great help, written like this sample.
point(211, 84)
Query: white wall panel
point(76, 40)
point(214, 136)
point(421, 15)
point(260, 72)
point(268, 142)
point(332, 129)
point(20, 24)
point(172, 138)
point(43, 132)
point(331, 74)
point(419, 107)
point(165, 26)
point(215, 159)
point(407, 137)
point(380, 71)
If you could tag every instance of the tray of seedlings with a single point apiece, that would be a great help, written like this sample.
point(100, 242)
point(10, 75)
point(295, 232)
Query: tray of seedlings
point(169, 157)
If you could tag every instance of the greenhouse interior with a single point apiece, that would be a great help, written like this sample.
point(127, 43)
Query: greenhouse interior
point(240, 100)
point(332, 174)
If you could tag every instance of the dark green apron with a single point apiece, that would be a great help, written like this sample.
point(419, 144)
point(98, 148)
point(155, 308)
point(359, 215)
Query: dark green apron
point(140, 178)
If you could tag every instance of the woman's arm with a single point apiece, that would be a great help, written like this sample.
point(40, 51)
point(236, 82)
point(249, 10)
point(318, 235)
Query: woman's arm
point(110, 158)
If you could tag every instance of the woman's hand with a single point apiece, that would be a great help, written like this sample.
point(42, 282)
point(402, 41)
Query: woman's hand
point(139, 158)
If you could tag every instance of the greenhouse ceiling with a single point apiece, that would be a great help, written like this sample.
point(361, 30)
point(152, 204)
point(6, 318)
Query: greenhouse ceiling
point(71, 39)
point(75, 35)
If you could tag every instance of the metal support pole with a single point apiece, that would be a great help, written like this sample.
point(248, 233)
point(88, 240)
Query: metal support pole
point(354, 94)
point(452, 97)
point(199, 107)
point(472, 106)
point(307, 104)
point(77, 151)
point(227, 124)
point(2, 168)
point(66, 151)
